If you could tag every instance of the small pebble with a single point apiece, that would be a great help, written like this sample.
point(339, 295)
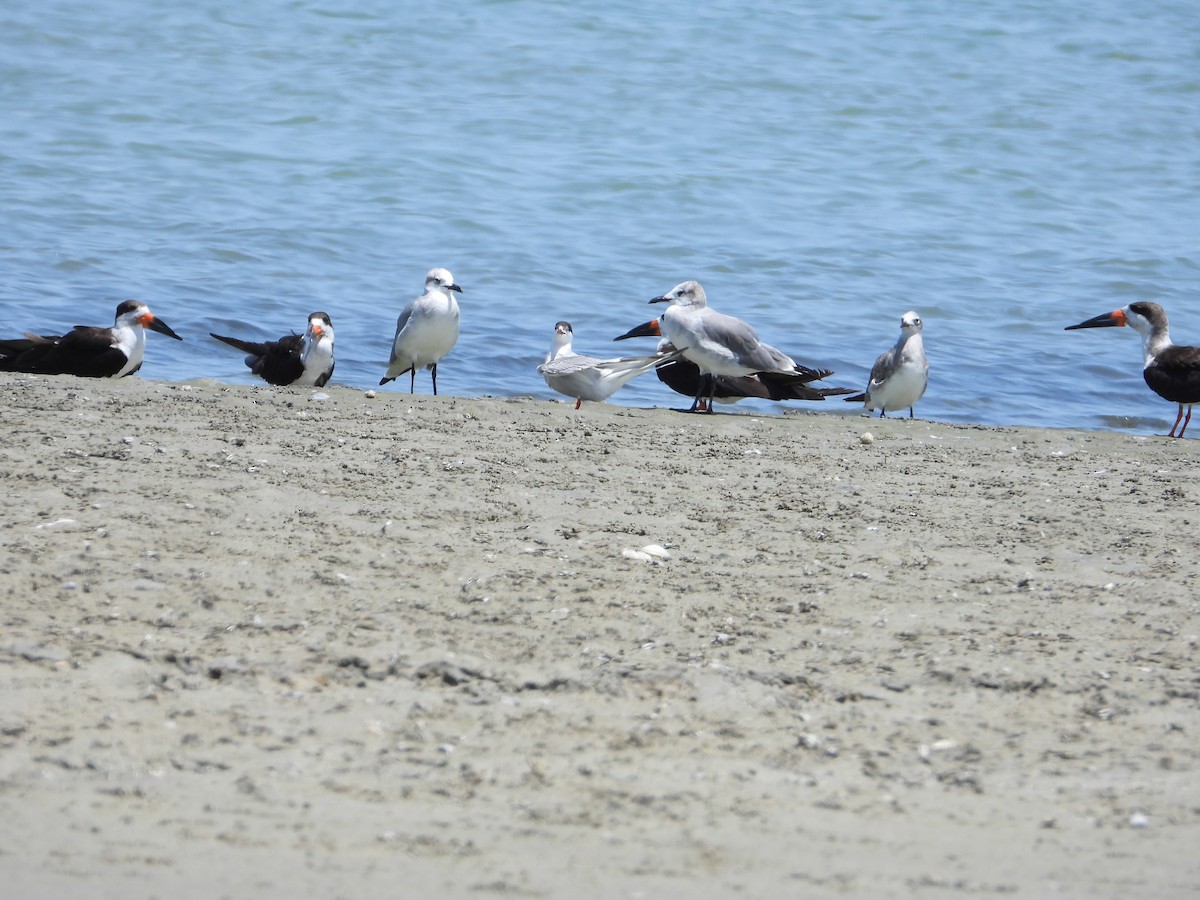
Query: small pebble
point(1139, 820)
point(370, 395)
point(866, 438)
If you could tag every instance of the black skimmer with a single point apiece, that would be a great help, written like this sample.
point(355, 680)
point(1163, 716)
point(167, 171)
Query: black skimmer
point(305, 360)
point(1171, 371)
point(683, 376)
point(719, 344)
point(426, 330)
point(88, 351)
point(901, 373)
point(588, 378)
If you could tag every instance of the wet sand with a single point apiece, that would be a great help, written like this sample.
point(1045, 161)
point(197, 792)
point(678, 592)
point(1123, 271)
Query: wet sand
point(260, 644)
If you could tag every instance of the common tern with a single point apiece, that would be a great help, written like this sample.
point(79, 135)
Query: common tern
point(588, 378)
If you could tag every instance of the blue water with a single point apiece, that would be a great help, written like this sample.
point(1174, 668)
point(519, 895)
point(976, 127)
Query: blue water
point(1004, 168)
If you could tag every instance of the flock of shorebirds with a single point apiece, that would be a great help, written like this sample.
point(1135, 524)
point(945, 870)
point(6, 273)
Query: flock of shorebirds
point(701, 353)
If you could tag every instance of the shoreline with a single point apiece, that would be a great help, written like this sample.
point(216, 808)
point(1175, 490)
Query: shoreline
point(325, 647)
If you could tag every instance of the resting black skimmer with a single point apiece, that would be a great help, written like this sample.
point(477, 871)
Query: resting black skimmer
point(88, 351)
point(683, 376)
point(305, 360)
point(900, 374)
point(426, 330)
point(1171, 371)
point(588, 378)
point(719, 344)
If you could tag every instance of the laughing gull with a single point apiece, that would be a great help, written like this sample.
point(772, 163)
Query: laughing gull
point(900, 374)
point(719, 344)
point(426, 330)
point(683, 376)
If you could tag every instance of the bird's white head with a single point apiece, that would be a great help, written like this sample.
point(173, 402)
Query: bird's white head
point(440, 280)
point(910, 323)
point(686, 293)
point(563, 335)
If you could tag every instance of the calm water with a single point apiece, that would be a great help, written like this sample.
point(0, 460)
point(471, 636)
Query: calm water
point(1004, 168)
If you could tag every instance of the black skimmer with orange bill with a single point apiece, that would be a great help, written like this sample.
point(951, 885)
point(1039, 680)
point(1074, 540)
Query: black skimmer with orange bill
point(88, 351)
point(900, 374)
point(303, 360)
point(683, 376)
point(426, 330)
point(1171, 371)
point(719, 344)
point(588, 378)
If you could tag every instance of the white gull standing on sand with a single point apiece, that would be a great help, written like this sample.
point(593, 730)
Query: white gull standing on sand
point(719, 344)
point(426, 330)
point(683, 376)
point(901, 373)
point(588, 378)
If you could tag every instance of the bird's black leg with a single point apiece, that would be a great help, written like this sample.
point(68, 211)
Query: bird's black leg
point(433, 369)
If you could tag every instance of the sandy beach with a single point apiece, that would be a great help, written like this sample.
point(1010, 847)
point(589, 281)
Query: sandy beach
point(286, 643)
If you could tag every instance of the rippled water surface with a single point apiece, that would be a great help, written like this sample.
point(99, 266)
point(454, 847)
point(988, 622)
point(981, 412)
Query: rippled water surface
point(1006, 169)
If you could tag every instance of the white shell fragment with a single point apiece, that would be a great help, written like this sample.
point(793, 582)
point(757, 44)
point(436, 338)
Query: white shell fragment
point(866, 438)
point(654, 553)
point(56, 524)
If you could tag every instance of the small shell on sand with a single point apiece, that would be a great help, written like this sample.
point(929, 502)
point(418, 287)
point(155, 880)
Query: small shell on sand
point(649, 553)
point(866, 438)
